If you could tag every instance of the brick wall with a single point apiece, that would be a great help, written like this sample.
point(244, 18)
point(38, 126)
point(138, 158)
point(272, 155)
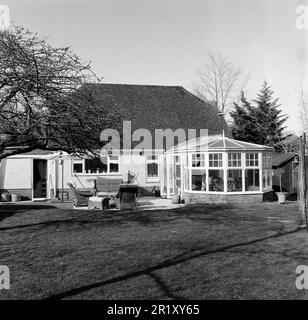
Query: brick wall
point(193, 198)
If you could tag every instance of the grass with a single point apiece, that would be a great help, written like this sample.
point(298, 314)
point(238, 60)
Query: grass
point(193, 252)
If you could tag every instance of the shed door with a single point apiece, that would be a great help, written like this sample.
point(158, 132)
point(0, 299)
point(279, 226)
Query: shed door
point(39, 178)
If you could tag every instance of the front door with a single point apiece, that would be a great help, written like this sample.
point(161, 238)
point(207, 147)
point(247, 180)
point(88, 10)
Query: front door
point(39, 178)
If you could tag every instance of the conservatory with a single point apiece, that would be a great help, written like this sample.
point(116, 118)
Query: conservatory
point(217, 170)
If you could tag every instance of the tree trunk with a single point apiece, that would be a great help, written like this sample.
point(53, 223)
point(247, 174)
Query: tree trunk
point(302, 183)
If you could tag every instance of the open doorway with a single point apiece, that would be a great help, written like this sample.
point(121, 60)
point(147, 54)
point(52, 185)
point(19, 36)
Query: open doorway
point(39, 178)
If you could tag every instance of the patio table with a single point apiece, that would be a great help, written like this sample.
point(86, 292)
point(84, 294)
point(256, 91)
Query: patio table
point(98, 203)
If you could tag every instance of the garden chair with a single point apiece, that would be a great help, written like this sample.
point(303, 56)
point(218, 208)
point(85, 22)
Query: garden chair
point(80, 198)
point(108, 188)
point(128, 196)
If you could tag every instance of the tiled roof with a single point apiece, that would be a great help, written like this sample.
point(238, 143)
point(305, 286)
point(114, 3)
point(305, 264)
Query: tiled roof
point(160, 107)
point(36, 152)
point(279, 159)
point(39, 152)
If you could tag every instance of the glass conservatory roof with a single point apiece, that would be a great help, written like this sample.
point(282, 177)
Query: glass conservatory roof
point(216, 143)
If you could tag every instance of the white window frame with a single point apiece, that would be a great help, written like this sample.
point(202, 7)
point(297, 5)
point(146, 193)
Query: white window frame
point(109, 161)
point(224, 158)
point(113, 161)
point(202, 160)
point(220, 155)
point(255, 158)
point(148, 161)
point(238, 160)
point(81, 161)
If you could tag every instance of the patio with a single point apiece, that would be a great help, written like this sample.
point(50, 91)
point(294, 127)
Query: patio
point(144, 203)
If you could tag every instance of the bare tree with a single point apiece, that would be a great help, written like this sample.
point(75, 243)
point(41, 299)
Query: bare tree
point(43, 103)
point(290, 143)
point(217, 80)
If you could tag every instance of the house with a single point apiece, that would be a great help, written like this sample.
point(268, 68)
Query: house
point(41, 175)
point(289, 162)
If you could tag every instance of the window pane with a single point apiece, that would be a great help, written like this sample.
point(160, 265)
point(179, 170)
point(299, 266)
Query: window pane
point(198, 160)
point(216, 181)
point(185, 160)
point(234, 182)
point(252, 182)
point(264, 178)
point(269, 173)
point(152, 169)
point(252, 159)
point(171, 175)
point(114, 167)
point(215, 160)
point(198, 180)
point(95, 166)
point(264, 160)
point(186, 179)
point(234, 160)
point(77, 167)
point(165, 176)
point(177, 176)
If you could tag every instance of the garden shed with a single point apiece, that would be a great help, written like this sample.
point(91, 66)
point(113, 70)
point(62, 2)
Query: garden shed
point(288, 163)
point(217, 169)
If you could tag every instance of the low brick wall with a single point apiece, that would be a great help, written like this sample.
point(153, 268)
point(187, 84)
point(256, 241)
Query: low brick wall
point(194, 198)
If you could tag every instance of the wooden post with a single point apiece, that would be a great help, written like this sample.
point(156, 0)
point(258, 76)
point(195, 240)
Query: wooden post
point(302, 183)
point(305, 179)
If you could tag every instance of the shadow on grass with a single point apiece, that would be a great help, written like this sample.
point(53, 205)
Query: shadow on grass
point(119, 218)
point(181, 258)
point(49, 223)
point(7, 210)
point(164, 287)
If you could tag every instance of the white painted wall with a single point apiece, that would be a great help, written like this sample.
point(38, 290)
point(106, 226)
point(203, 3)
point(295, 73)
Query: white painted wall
point(16, 174)
point(135, 163)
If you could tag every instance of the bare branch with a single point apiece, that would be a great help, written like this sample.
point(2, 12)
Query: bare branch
point(217, 81)
point(44, 100)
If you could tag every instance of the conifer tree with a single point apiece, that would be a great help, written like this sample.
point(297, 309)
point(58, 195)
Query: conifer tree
point(260, 121)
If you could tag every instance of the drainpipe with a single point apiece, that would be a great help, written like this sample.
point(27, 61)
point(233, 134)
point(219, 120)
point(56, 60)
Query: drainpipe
point(62, 174)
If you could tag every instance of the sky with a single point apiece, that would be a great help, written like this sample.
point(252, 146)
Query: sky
point(164, 42)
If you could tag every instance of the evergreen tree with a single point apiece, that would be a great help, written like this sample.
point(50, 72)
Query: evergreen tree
point(259, 121)
point(244, 121)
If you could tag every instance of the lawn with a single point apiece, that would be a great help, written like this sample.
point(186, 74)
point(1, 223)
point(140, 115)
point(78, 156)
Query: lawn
point(193, 252)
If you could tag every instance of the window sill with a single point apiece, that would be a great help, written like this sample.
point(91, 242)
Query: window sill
point(97, 174)
point(152, 179)
point(226, 193)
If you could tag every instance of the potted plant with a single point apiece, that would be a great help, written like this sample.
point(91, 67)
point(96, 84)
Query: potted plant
point(282, 196)
point(157, 192)
point(177, 197)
